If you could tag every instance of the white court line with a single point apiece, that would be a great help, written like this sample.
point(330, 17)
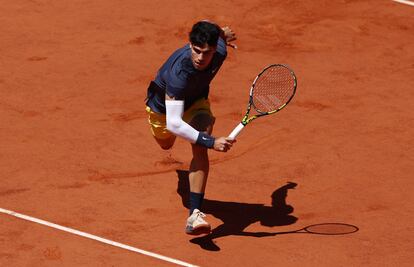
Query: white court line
point(97, 238)
point(407, 2)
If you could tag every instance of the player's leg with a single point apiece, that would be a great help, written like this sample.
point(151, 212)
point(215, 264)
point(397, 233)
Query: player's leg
point(159, 131)
point(200, 165)
point(198, 174)
point(202, 120)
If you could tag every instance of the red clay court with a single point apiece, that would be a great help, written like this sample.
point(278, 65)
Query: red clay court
point(76, 150)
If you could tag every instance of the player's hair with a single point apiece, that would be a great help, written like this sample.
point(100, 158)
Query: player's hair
point(204, 32)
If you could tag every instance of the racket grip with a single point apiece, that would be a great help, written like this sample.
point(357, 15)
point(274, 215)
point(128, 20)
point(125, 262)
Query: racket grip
point(236, 131)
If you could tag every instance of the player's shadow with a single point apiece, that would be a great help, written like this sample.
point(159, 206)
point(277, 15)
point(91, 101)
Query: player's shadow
point(236, 217)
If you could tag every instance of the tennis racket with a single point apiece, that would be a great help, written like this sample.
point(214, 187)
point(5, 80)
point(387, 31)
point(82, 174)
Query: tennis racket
point(270, 92)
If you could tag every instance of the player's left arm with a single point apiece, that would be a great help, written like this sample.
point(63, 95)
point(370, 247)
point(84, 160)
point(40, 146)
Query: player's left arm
point(228, 35)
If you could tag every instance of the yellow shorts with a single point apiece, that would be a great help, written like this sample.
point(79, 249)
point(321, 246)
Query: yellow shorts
point(158, 122)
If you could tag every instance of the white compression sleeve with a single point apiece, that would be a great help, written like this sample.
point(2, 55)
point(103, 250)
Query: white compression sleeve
point(175, 123)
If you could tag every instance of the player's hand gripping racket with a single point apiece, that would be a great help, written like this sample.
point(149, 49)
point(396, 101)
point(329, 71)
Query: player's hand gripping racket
point(270, 92)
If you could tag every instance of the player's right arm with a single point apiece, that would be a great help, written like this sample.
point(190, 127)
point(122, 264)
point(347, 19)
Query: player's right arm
point(177, 126)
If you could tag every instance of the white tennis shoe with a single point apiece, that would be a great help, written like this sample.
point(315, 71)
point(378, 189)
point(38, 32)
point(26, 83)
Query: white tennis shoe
point(196, 225)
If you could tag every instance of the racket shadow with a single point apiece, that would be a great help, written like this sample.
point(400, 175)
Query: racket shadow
point(236, 217)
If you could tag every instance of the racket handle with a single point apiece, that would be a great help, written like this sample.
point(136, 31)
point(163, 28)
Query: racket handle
point(236, 131)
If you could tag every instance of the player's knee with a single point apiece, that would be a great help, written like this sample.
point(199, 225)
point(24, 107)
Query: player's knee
point(166, 144)
point(166, 147)
point(203, 122)
point(199, 152)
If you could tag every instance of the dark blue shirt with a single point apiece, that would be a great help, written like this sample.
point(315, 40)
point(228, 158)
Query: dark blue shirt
point(178, 78)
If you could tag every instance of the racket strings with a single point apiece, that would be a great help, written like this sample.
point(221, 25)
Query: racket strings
point(273, 89)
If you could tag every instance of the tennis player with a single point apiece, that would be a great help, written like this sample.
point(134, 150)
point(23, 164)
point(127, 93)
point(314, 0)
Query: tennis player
point(177, 105)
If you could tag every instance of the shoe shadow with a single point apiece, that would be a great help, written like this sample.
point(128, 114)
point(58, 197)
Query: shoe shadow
point(236, 217)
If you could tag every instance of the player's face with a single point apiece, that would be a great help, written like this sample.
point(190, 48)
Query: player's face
point(201, 56)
